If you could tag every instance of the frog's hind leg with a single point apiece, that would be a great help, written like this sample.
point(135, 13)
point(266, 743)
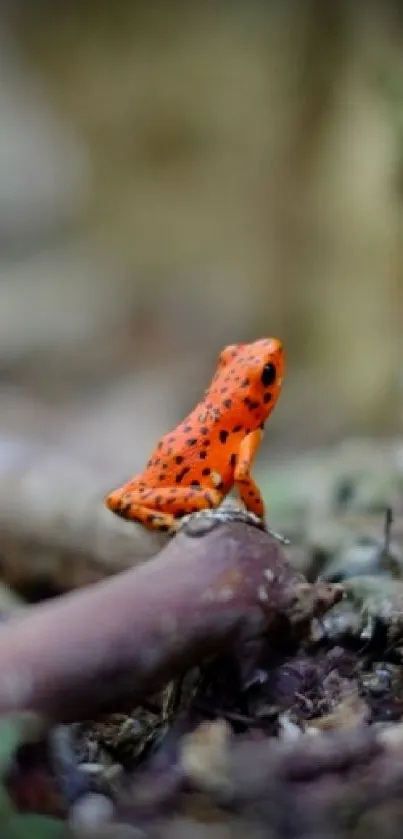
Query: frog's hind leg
point(162, 508)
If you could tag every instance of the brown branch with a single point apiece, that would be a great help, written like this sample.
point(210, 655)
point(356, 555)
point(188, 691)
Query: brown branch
point(55, 529)
point(213, 586)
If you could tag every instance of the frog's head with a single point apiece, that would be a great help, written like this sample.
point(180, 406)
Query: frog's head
point(250, 376)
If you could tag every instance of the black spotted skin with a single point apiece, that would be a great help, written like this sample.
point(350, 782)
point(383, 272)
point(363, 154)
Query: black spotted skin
point(212, 450)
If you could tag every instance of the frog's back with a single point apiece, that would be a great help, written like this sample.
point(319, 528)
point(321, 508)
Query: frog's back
point(194, 453)
point(203, 448)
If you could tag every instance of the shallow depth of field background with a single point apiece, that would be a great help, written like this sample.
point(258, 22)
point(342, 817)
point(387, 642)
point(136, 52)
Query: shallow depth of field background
point(175, 177)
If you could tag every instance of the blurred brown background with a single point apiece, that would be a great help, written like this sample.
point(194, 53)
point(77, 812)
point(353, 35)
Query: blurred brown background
point(178, 176)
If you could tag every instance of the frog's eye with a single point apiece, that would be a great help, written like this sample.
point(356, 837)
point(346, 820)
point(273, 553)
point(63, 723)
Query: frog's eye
point(269, 374)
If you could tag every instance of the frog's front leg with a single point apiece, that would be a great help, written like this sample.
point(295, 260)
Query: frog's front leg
point(243, 481)
point(162, 508)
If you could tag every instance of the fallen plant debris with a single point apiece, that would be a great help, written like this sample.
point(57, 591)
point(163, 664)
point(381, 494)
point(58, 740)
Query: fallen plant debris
point(214, 690)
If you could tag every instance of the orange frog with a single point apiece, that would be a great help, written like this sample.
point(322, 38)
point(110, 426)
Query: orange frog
point(195, 466)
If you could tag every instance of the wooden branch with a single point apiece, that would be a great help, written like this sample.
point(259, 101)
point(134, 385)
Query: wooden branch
point(55, 529)
point(212, 587)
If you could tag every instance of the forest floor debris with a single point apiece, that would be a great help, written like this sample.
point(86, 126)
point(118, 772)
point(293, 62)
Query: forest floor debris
point(216, 689)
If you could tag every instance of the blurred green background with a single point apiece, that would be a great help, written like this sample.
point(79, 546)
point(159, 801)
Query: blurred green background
point(178, 176)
